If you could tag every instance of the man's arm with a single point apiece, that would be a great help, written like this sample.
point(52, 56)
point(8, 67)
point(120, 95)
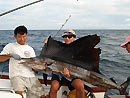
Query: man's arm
point(4, 57)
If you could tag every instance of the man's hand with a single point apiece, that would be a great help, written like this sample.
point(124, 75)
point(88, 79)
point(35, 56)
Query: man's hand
point(66, 73)
point(15, 56)
point(46, 40)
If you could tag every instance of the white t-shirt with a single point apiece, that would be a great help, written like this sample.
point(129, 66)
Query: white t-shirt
point(24, 51)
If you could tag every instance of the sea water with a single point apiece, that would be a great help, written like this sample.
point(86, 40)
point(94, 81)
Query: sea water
point(114, 60)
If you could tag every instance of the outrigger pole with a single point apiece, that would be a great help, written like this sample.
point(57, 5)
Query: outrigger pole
point(20, 7)
point(61, 27)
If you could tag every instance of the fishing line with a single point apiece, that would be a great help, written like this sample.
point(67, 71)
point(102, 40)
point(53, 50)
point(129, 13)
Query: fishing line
point(20, 7)
point(61, 27)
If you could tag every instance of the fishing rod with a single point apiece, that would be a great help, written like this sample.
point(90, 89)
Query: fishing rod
point(61, 27)
point(20, 7)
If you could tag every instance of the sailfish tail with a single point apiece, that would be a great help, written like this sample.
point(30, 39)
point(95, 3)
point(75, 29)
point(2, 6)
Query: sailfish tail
point(124, 86)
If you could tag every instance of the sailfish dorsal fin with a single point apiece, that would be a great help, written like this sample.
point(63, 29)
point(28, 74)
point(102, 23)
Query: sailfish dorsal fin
point(81, 52)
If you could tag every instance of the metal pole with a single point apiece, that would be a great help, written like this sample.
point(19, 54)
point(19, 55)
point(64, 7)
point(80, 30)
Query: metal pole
point(61, 27)
point(20, 7)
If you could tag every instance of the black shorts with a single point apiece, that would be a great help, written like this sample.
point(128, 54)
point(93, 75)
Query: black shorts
point(63, 80)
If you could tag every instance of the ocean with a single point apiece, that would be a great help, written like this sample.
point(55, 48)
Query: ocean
point(114, 60)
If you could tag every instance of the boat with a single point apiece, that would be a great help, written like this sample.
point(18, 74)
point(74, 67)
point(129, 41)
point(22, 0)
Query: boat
point(6, 91)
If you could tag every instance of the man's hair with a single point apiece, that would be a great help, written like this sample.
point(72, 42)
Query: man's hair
point(21, 30)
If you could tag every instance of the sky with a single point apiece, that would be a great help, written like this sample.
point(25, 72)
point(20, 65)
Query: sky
point(52, 14)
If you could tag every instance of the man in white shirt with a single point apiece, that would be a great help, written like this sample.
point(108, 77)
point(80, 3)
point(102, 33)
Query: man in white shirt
point(21, 76)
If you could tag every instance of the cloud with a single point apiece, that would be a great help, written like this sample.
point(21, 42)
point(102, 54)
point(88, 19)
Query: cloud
point(51, 14)
point(127, 20)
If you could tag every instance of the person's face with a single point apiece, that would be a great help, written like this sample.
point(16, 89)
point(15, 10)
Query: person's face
point(21, 38)
point(69, 39)
point(128, 47)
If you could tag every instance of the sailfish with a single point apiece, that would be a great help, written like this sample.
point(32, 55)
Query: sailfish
point(80, 57)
